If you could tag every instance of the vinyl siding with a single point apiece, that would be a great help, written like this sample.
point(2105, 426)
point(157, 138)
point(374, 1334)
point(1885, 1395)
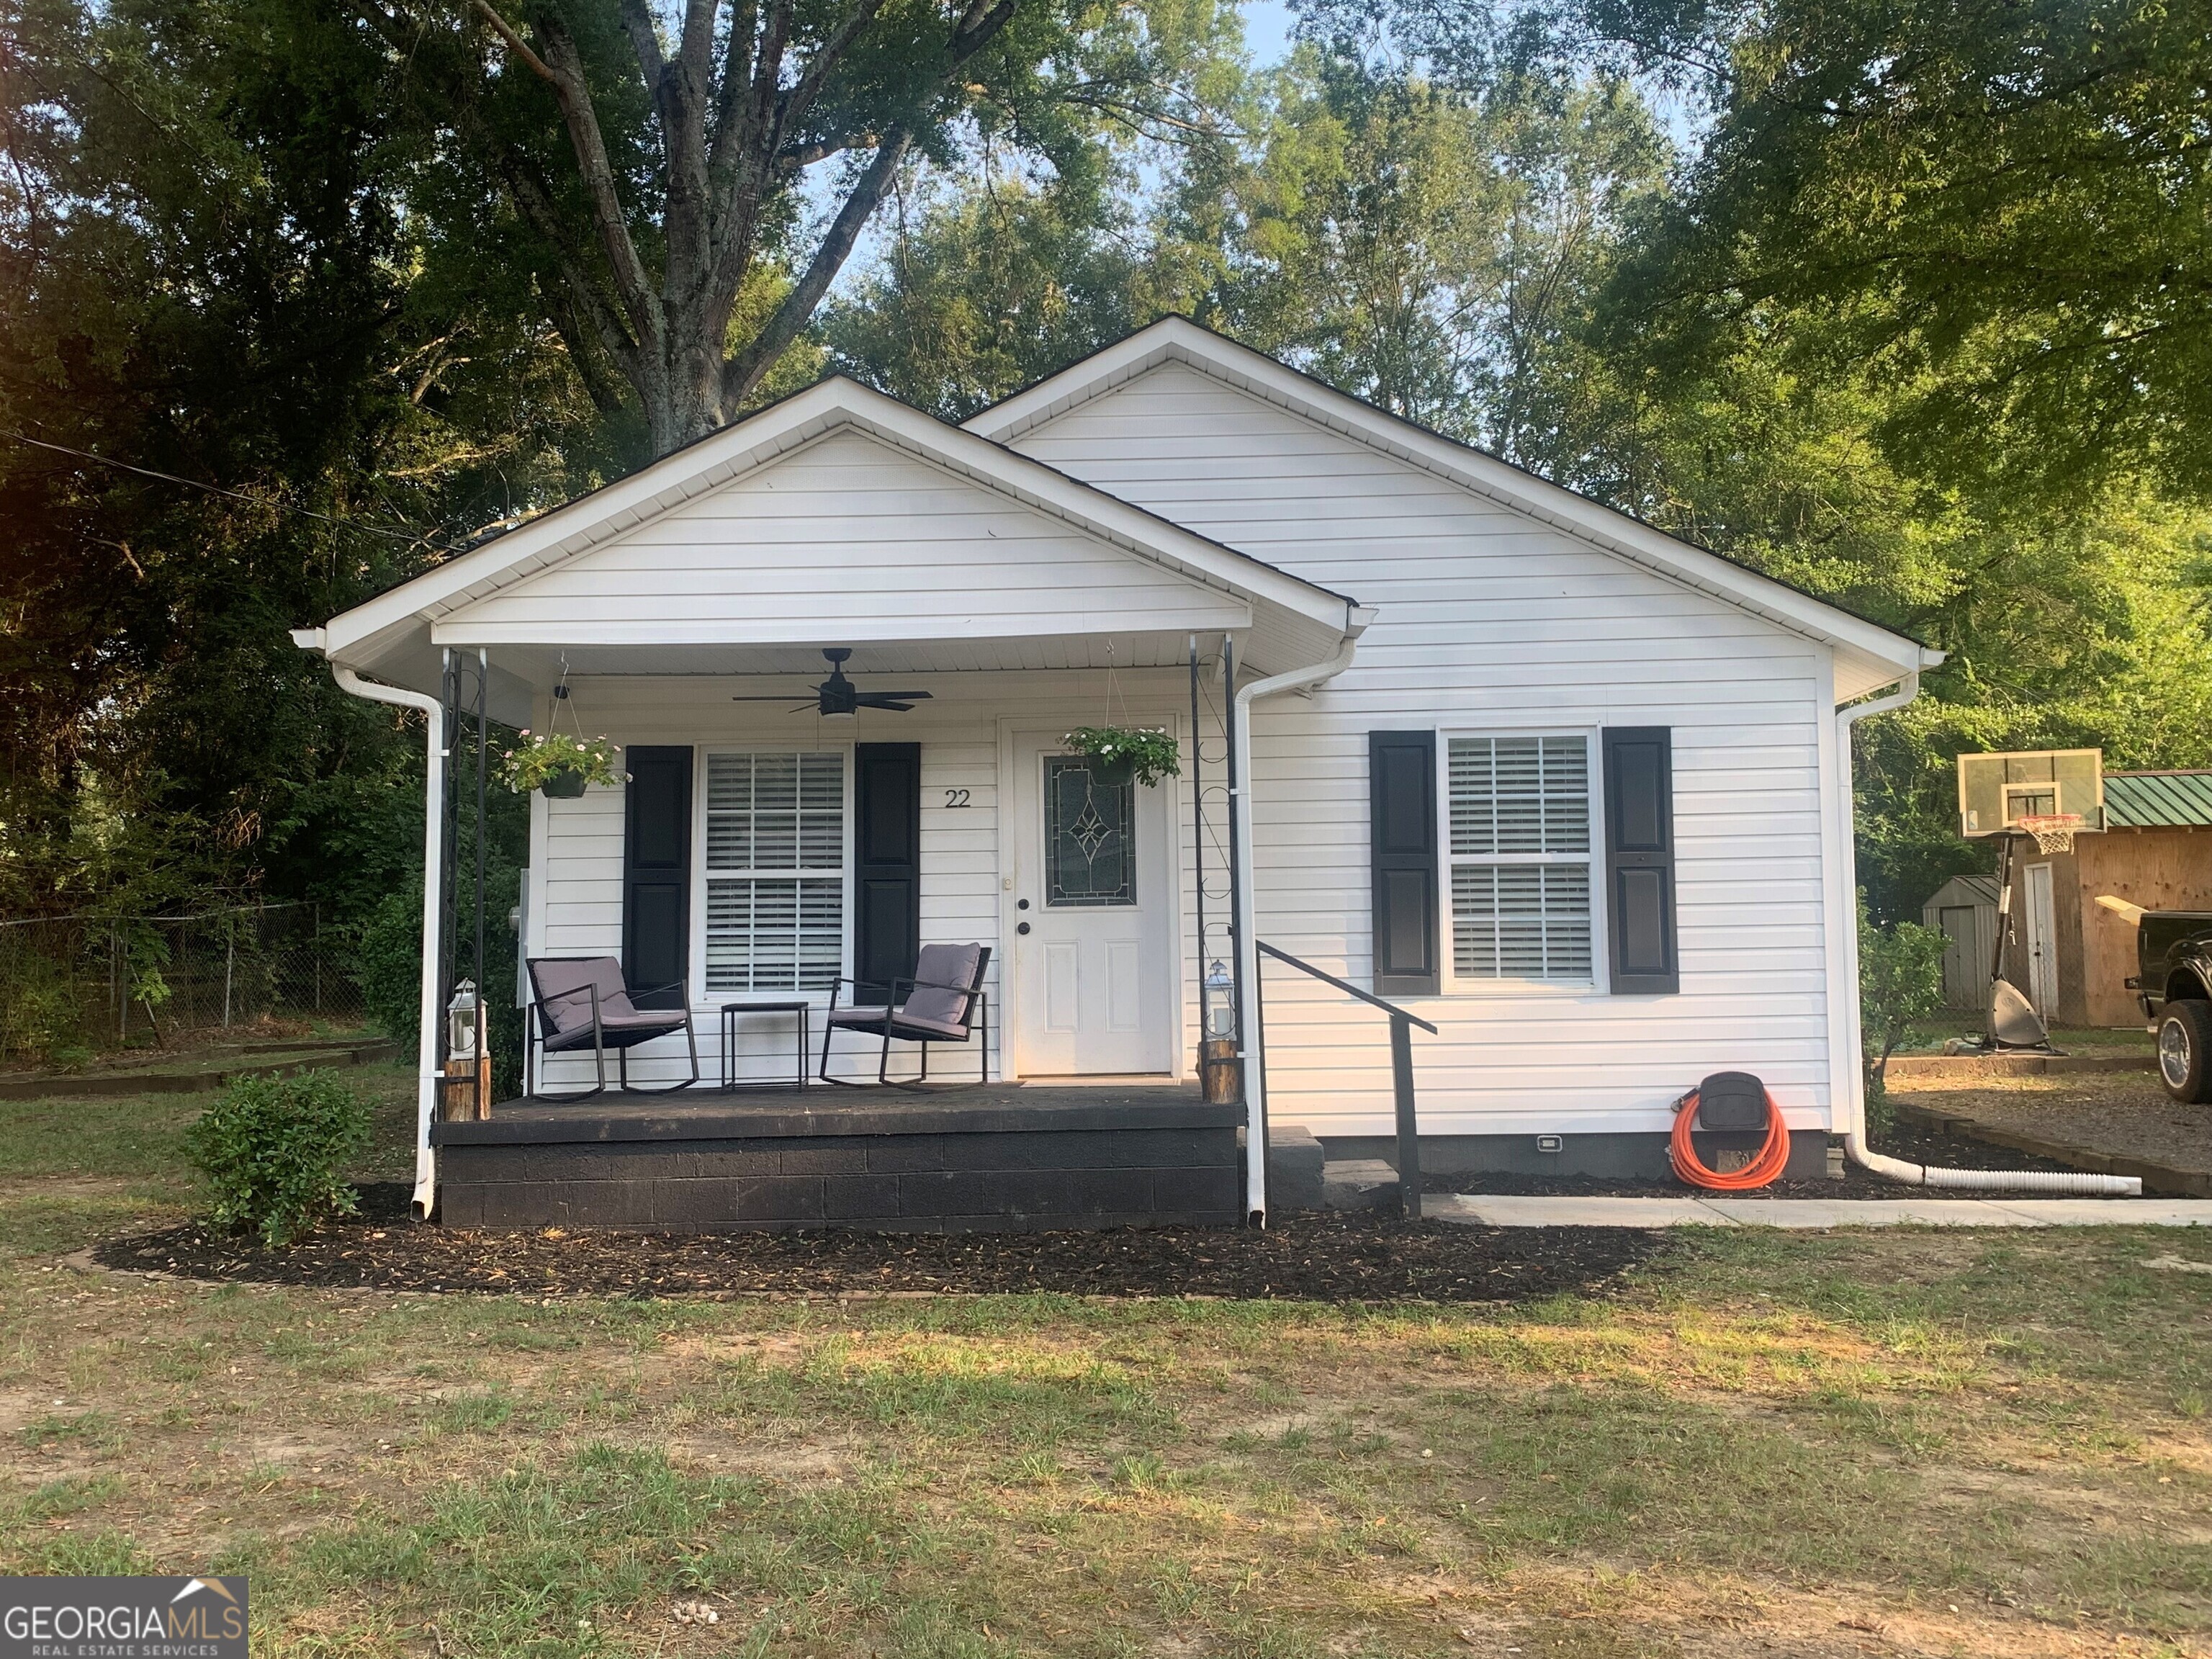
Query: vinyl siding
point(578, 844)
point(847, 539)
point(1490, 622)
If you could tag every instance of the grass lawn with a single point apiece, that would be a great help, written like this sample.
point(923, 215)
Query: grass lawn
point(1893, 1442)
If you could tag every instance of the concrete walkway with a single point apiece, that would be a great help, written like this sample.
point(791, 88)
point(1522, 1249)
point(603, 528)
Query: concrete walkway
point(1817, 1212)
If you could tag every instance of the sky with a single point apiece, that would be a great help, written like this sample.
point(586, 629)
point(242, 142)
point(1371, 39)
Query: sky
point(1268, 30)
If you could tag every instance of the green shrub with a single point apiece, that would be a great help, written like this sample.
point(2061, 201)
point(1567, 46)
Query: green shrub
point(275, 1150)
point(39, 1002)
point(1900, 980)
point(389, 963)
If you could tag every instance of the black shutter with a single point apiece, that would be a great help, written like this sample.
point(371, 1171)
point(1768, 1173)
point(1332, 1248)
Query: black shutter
point(657, 874)
point(1639, 858)
point(886, 864)
point(1401, 797)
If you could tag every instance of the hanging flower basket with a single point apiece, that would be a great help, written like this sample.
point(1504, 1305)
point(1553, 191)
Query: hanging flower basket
point(1123, 754)
point(562, 768)
point(564, 783)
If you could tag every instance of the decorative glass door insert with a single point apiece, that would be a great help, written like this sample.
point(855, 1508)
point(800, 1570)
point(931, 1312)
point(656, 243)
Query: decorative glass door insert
point(1090, 836)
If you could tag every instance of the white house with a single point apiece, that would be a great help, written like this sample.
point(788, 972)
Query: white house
point(1574, 792)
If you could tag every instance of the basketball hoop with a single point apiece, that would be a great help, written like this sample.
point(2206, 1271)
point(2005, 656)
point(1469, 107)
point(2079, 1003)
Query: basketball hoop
point(2053, 831)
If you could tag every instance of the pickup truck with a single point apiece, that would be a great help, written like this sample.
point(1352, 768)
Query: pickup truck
point(2172, 983)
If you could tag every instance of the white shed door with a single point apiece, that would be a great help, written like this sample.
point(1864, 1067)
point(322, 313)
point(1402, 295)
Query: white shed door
point(2042, 944)
point(1094, 937)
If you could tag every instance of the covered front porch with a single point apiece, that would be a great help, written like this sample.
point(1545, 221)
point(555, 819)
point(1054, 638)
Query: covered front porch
point(778, 850)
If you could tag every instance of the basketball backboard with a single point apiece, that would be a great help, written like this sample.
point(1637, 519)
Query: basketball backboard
point(1997, 792)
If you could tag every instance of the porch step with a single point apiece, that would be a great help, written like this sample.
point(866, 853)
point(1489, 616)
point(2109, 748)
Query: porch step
point(1297, 1166)
point(1358, 1183)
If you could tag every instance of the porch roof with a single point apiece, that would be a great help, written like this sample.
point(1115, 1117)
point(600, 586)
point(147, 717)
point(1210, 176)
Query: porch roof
point(838, 516)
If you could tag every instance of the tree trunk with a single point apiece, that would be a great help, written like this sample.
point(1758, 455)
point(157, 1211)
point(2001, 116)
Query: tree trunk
point(730, 151)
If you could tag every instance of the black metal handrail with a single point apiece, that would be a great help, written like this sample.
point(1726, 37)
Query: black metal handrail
point(1401, 1074)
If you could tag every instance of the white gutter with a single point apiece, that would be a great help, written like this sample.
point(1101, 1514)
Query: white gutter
point(1851, 1074)
point(1248, 936)
point(434, 816)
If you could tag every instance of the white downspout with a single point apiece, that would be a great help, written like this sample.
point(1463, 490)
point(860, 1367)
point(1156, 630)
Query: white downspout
point(1851, 1073)
point(1248, 936)
point(434, 818)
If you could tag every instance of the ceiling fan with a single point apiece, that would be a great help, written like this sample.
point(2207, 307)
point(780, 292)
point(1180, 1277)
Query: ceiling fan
point(837, 698)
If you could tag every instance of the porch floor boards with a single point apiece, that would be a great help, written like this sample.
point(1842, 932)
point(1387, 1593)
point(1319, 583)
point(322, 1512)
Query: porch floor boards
point(1000, 1157)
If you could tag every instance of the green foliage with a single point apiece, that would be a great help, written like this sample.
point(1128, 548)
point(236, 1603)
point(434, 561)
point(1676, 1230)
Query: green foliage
point(982, 292)
point(1909, 311)
point(1999, 206)
point(208, 273)
point(389, 963)
point(38, 1017)
point(535, 761)
point(1151, 756)
point(1900, 980)
point(275, 1150)
point(1422, 248)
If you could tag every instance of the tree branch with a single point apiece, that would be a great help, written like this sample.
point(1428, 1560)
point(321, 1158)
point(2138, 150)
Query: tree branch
point(737, 74)
point(801, 98)
point(535, 203)
point(644, 40)
point(562, 68)
point(744, 372)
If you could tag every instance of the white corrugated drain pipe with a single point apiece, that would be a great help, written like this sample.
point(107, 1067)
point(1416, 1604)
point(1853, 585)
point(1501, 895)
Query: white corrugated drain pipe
point(434, 818)
point(1248, 936)
point(1855, 1146)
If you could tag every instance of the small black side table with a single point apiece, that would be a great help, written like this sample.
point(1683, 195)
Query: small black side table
point(730, 1012)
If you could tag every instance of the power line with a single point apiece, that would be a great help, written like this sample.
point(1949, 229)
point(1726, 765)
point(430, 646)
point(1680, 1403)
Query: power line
point(231, 495)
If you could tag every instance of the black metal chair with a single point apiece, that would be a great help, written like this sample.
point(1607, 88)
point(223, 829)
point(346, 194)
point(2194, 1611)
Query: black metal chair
point(944, 1002)
point(582, 1003)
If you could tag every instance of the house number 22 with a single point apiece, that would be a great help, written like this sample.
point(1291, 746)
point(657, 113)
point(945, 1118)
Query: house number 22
point(955, 797)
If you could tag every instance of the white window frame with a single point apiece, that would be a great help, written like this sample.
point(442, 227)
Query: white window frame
point(704, 998)
point(1455, 984)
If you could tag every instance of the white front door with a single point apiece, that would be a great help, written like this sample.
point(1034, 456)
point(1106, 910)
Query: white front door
point(1093, 919)
point(2042, 944)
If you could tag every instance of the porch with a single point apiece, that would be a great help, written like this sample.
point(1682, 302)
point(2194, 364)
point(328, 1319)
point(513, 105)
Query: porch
point(840, 649)
point(1007, 1157)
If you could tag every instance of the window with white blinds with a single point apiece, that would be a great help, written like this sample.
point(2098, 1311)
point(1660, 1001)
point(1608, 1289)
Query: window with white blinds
point(1520, 812)
point(774, 855)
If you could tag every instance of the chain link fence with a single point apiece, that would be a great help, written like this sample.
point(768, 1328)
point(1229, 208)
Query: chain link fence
point(91, 983)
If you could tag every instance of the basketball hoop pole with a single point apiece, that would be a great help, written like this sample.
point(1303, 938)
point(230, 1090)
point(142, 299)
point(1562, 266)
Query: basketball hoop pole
point(2004, 909)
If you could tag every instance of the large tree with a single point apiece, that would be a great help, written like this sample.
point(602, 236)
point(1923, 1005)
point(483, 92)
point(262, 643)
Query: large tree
point(2008, 201)
point(2005, 205)
point(1426, 247)
point(700, 144)
point(241, 388)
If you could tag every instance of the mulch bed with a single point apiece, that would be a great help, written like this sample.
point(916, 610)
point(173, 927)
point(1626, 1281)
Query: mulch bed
point(1316, 1258)
point(1917, 1146)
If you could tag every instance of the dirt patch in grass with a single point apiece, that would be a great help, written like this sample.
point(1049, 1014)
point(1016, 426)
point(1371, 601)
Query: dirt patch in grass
point(1320, 1258)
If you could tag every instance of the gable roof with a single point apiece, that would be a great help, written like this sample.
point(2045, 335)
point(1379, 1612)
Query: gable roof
point(396, 626)
point(2158, 801)
point(1879, 654)
point(1972, 890)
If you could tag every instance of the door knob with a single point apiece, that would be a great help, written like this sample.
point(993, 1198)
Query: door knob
point(1022, 927)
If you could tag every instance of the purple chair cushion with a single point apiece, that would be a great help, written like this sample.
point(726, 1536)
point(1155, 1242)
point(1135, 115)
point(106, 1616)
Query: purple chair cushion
point(937, 1009)
point(565, 1003)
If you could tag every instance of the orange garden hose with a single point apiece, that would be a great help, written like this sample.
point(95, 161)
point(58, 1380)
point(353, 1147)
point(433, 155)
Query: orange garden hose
point(1773, 1156)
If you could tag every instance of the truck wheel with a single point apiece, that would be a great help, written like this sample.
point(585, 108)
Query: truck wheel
point(2184, 1052)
